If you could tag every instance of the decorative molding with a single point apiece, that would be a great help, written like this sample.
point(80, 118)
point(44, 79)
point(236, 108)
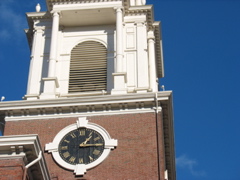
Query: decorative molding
point(12, 147)
point(55, 79)
point(147, 10)
point(158, 45)
point(51, 3)
point(141, 10)
point(37, 108)
point(92, 93)
point(80, 169)
point(83, 6)
point(31, 16)
point(58, 113)
point(124, 74)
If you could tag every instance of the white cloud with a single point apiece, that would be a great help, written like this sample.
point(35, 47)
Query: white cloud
point(12, 21)
point(186, 163)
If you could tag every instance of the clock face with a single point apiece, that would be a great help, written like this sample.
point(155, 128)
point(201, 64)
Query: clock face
point(81, 146)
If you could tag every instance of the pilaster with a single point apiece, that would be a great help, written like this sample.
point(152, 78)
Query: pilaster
point(152, 62)
point(34, 79)
point(119, 77)
point(51, 82)
point(142, 62)
point(119, 48)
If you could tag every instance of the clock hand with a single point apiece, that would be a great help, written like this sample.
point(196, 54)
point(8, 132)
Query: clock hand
point(85, 142)
point(87, 145)
point(87, 139)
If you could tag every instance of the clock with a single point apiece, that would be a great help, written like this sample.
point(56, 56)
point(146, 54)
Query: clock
point(81, 146)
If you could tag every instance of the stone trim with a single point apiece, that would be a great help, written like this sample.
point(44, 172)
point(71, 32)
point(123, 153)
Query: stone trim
point(62, 107)
point(27, 147)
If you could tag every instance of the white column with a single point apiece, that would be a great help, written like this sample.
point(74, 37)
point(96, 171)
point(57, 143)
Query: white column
point(119, 77)
point(119, 49)
point(132, 2)
point(152, 61)
point(34, 76)
point(138, 2)
point(51, 82)
point(142, 58)
point(53, 47)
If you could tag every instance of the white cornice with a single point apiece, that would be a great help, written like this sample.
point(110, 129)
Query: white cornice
point(159, 53)
point(74, 6)
point(51, 3)
point(15, 146)
point(36, 14)
point(87, 100)
point(148, 10)
point(83, 106)
point(78, 114)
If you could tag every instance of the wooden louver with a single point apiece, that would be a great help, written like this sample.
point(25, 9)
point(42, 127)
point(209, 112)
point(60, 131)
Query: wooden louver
point(88, 67)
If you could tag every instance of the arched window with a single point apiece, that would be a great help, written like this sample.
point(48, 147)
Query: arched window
point(88, 67)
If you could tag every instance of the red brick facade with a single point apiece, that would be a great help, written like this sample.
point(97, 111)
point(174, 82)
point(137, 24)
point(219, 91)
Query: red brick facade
point(12, 169)
point(135, 158)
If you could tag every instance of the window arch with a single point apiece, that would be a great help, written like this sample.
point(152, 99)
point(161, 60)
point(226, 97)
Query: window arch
point(88, 67)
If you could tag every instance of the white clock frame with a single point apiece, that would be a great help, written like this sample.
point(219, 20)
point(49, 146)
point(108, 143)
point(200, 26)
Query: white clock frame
point(81, 169)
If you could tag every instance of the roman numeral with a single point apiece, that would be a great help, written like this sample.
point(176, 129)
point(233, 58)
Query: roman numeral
point(82, 132)
point(73, 135)
point(90, 134)
point(66, 154)
point(97, 138)
point(64, 147)
point(72, 159)
point(80, 160)
point(96, 152)
point(66, 141)
point(91, 159)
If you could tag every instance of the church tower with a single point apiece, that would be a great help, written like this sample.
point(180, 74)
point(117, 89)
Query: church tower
point(84, 48)
point(92, 109)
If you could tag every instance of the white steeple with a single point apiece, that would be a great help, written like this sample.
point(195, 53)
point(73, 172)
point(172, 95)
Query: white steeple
point(92, 48)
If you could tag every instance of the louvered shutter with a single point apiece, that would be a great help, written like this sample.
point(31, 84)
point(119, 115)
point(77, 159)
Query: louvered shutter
point(88, 67)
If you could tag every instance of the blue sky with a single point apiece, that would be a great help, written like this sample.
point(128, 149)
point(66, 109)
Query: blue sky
point(201, 46)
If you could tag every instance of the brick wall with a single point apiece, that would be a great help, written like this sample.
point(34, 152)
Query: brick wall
point(135, 157)
point(11, 169)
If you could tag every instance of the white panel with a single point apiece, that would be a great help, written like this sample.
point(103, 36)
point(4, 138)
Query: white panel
point(64, 67)
point(63, 76)
point(130, 36)
point(130, 30)
point(142, 57)
point(63, 86)
point(133, 19)
point(44, 69)
point(130, 42)
point(132, 3)
point(131, 69)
